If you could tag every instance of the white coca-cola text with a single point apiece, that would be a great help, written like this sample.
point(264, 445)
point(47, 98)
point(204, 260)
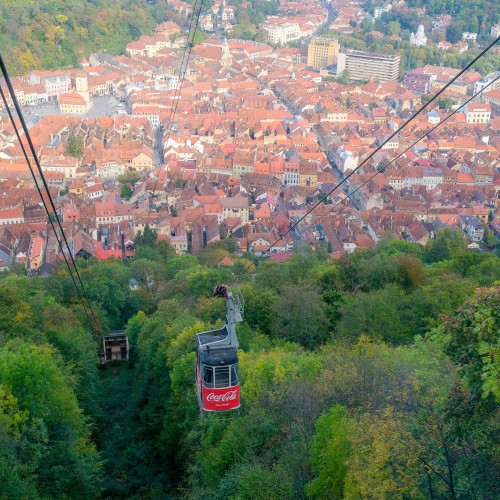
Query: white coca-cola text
point(220, 398)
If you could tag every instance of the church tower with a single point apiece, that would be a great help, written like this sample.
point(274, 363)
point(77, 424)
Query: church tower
point(227, 58)
point(81, 82)
point(82, 87)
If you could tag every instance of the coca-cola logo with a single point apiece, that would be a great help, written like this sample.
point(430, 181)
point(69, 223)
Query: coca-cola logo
point(220, 398)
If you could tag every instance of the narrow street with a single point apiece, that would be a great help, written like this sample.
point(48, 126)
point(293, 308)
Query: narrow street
point(158, 149)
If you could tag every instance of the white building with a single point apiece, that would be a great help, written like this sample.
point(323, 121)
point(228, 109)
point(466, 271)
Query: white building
point(56, 83)
point(432, 177)
point(378, 11)
point(362, 65)
point(66, 165)
point(282, 33)
point(486, 83)
point(291, 174)
point(433, 117)
point(152, 113)
point(345, 160)
point(477, 113)
point(419, 39)
point(74, 103)
point(495, 31)
point(11, 216)
point(228, 13)
point(467, 36)
point(235, 207)
point(109, 168)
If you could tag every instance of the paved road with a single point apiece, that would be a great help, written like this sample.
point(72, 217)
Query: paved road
point(158, 149)
point(331, 17)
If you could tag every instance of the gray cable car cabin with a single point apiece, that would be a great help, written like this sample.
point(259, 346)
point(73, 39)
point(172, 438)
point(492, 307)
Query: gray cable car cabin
point(116, 347)
point(217, 380)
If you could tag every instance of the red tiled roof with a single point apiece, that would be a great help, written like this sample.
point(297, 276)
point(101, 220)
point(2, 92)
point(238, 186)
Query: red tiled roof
point(281, 256)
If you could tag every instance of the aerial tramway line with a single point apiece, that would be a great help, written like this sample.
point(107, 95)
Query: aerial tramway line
point(217, 359)
point(216, 372)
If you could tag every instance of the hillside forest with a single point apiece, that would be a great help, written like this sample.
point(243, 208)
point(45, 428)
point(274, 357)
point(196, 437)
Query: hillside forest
point(49, 34)
point(373, 376)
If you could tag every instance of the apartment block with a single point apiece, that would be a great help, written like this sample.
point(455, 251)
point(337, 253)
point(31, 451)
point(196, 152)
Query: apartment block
point(363, 65)
point(322, 52)
point(418, 82)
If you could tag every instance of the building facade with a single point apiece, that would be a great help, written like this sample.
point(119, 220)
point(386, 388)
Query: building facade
point(282, 33)
point(322, 52)
point(487, 83)
point(363, 65)
point(418, 82)
point(74, 103)
point(477, 113)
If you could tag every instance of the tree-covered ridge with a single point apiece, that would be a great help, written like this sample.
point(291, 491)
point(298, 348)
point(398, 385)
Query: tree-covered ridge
point(371, 376)
point(49, 34)
point(47, 388)
point(477, 16)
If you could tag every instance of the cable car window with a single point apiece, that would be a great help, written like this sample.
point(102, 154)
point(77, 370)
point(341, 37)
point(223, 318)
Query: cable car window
point(234, 375)
point(221, 376)
point(208, 378)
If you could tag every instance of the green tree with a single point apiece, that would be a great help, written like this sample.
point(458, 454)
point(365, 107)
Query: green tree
point(454, 31)
point(245, 30)
point(299, 316)
point(16, 479)
point(182, 262)
point(473, 342)
point(411, 272)
point(75, 146)
point(425, 98)
point(56, 442)
point(147, 238)
point(344, 77)
point(445, 103)
point(130, 176)
point(258, 307)
point(330, 450)
point(371, 467)
point(261, 36)
point(165, 250)
point(204, 281)
point(197, 37)
point(126, 192)
point(381, 314)
point(449, 243)
point(367, 25)
point(394, 28)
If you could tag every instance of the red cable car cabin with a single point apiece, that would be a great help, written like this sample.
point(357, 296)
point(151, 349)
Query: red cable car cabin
point(217, 381)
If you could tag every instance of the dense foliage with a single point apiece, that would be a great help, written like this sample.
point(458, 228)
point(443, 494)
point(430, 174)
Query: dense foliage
point(476, 16)
point(56, 33)
point(373, 376)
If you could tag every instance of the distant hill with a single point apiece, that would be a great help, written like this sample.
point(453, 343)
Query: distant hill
point(51, 34)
